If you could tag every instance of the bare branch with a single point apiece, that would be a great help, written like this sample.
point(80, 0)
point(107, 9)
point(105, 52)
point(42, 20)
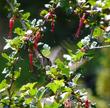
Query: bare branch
point(99, 47)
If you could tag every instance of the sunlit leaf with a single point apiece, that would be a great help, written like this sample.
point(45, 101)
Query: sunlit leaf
point(57, 84)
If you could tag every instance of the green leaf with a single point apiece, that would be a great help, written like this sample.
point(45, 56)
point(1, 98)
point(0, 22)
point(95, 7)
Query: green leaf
point(57, 84)
point(3, 85)
point(79, 55)
point(26, 16)
point(39, 104)
point(28, 101)
point(43, 12)
point(107, 40)
point(65, 71)
point(17, 74)
point(46, 52)
point(32, 92)
point(67, 89)
point(75, 79)
point(98, 32)
point(80, 44)
point(92, 2)
point(40, 93)
point(53, 71)
point(59, 63)
point(107, 4)
point(53, 105)
point(5, 56)
point(15, 43)
point(28, 86)
point(19, 31)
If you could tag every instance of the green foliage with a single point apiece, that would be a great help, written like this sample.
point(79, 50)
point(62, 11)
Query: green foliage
point(62, 81)
point(56, 85)
point(98, 32)
point(26, 16)
point(54, 105)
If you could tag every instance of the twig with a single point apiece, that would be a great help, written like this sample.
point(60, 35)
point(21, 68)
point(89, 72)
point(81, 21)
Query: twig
point(10, 4)
point(99, 47)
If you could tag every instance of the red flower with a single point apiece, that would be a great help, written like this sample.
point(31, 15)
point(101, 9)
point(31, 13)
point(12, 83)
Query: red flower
point(31, 60)
point(87, 103)
point(36, 39)
point(11, 25)
point(52, 25)
point(48, 16)
point(81, 23)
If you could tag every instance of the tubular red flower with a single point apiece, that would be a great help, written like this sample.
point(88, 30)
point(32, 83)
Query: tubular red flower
point(52, 25)
point(31, 60)
point(87, 103)
point(11, 25)
point(51, 16)
point(81, 23)
point(36, 39)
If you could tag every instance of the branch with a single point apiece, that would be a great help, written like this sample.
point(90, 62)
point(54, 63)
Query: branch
point(10, 4)
point(99, 47)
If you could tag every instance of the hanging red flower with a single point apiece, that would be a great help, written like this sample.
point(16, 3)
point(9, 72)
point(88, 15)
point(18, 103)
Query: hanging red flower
point(36, 39)
point(52, 25)
point(51, 16)
point(87, 103)
point(11, 25)
point(31, 60)
point(81, 23)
